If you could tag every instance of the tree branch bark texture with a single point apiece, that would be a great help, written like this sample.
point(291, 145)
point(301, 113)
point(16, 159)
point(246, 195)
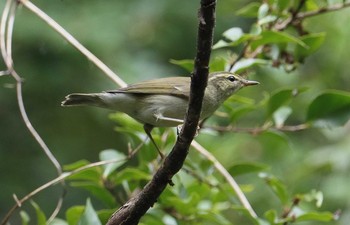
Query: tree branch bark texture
point(132, 211)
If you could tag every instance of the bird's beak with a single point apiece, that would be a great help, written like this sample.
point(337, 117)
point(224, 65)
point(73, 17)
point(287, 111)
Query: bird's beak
point(250, 82)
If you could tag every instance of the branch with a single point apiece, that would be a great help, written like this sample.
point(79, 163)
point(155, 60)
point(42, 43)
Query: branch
point(61, 178)
point(331, 8)
point(258, 130)
point(221, 169)
point(131, 212)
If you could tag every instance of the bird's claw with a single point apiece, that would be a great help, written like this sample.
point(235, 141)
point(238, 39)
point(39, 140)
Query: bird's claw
point(179, 129)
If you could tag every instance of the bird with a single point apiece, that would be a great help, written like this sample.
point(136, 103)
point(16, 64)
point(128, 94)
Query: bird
point(162, 102)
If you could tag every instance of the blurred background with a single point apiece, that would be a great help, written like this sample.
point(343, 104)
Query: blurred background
point(136, 39)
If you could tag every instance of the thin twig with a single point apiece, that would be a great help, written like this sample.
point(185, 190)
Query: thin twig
point(198, 177)
point(290, 20)
point(52, 23)
point(240, 56)
point(6, 51)
point(300, 6)
point(227, 176)
point(258, 130)
point(59, 179)
point(7, 21)
point(4, 17)
point(332, 8)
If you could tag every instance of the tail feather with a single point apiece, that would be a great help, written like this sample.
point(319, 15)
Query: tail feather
point(77, 99)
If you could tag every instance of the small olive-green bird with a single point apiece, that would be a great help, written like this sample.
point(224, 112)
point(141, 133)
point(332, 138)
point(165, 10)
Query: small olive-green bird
point(162, 102)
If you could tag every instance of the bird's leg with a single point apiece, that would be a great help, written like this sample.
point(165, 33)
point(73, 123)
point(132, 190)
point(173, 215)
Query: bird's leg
point(148, 128)
point(181, 122)
point(159, 116)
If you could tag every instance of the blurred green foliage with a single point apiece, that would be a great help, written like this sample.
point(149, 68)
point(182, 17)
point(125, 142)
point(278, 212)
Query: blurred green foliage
point(303, 174)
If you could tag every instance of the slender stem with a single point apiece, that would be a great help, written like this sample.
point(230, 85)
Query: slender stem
point(9, 63)
point(58, 179)
point(300, 6)
point(227, 176)
point(331, 8)
point(4, 17)
point(240, 56)
point(7, 21)
point(258, 130)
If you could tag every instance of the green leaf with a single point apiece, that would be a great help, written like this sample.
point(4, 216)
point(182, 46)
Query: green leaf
point(126, 122)
point(187, 64)
point(282, 97)
point(250, 10)
point(73, 214)
point(259, 221)
point(242, 210)
point(311, 5)
point(255, 30)
point(268, 37)
point(267, 19)
point(244, 168)
point(277, 187)
point(110, 154)
point(57, 221)
point(241, 39)
point(40, 216)
point(129, 174)
point(98, 191)
point(76, 165)
point(244, 64)
point(221, 44)
point(281, 115)
point(89, 216)
point(217, 64)
point(105, 214)
point(316, 216)
point(330, 108)
point(233, 34)
point(282, 4)
point(263, 10)
point(213, 218)
point(91, 174)
point(314, 195)
point(314, 41)
point(271, 216)
point(241, 100)
point(24, 217)
point(240, 111)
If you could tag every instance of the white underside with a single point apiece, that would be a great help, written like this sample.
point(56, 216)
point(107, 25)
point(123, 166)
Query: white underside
point(157, 110)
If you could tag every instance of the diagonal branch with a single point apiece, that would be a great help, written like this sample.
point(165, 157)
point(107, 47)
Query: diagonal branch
point(332, 8)
point(221, 169)
point(131, 212)
point(59, 179)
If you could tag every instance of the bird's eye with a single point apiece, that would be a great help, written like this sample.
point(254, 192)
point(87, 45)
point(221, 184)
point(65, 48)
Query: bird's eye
point(231, 78)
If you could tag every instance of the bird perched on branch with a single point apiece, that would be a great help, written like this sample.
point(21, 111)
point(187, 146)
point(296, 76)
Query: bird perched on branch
point(162, 102)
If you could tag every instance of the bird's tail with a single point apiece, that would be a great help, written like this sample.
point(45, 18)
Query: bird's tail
point(78, 99)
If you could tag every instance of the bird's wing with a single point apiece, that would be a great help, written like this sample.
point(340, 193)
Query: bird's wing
point(177, 86)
